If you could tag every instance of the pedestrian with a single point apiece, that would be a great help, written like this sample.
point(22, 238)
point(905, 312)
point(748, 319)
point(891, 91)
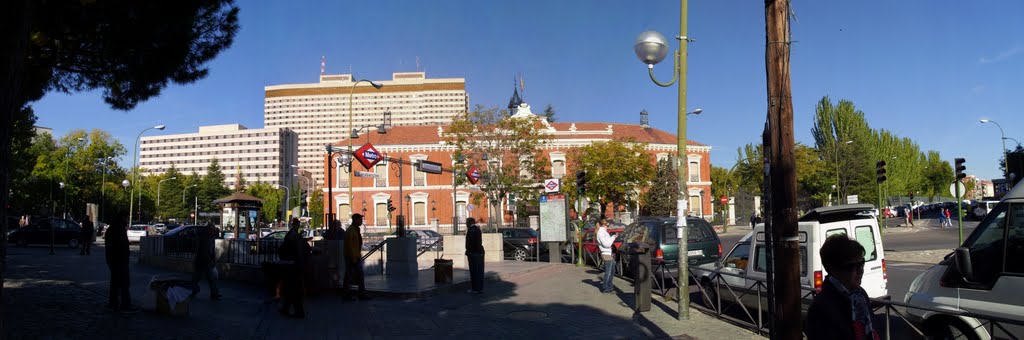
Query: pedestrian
point(117, 255)
point(604, 242)
point(334, 231)
point(949, 219)
point(475, 256)
point(205, 262)
point(295, 249)
point(842, 309)
point(753, 220)
point(85, 237)
point(910, 216)
point(353, 260)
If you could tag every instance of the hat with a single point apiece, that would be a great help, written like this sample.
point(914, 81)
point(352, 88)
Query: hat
point(357, 216)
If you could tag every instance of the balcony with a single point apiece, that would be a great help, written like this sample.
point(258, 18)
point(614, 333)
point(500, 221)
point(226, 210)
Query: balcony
point(382, 221)
point(420, 221)
point(380, 183)
point(419, 182)
point(694, 178)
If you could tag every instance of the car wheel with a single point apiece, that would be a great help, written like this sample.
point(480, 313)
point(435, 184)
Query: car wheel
point(711, 296)
point(73, 243)
point(949, 328)
point(519, 255)
point(21, 242)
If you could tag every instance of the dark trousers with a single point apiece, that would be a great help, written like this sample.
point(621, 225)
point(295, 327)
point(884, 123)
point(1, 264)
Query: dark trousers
point(353, 276)
point(119, 295)
point(609, 272)
point(476, 271)
point(206, 270)
point(293, 290)
point(86, 245)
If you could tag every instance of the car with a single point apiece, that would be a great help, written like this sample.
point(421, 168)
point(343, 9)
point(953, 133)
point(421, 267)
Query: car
point(591, 250)
point(268, 244)
point(746, 263)
point(519, 244)
point(160, 228)
point(182, 239)
point(137, 232)
point(40, 231)
point(985, 275)
point(427, 239)
point(659, 233)
point(981, 209)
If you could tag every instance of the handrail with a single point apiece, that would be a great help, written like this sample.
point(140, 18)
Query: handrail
point(372, 250)
point(429, 247)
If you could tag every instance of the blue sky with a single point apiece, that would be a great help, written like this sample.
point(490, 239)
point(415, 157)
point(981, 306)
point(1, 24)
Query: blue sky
point(927, 70)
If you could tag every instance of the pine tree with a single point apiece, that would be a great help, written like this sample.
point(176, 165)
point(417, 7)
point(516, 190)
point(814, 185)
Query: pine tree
point(660, 199)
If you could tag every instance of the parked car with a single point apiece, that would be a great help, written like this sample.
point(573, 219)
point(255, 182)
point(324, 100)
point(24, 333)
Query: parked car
point(425, 239)
point(659, 234)
point(985, 275)
point(748, 257)
point(981, 209)
point(268, 244)
point(591, 250)
point(182, 239)
point(39, 232)
point(160, 228)
point(136, 232)
point(519, 244)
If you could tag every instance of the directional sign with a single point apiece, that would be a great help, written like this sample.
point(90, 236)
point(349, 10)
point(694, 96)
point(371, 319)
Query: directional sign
point(368, 155)
point(473, 174)
point(552, 185)
point(428, 167)
point(366, 174)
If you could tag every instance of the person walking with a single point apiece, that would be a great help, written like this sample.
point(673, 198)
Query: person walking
point(353, 260)
point(948, 220)
point(85, 238)
point(605, 242)
point(910, 216)
point(117, 256)
point(205, 262)
point(294, 248)
point(475, 256)
point(842, 309)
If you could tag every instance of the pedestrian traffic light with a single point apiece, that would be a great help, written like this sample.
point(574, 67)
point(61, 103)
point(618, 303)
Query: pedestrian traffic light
point(960, 169)
point(390, 206)
point(581, 181)
point(880, 171)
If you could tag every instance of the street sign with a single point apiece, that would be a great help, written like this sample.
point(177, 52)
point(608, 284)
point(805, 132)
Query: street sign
point(428, 167)
point(724, 200)
point(366, 174)
point(552, 185)
point(852, 199)
point(952, 189)
point(367, 155)
point(473, 174)
point(554, 218)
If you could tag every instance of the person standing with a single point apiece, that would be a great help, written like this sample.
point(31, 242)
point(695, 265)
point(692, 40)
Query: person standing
point(353, 259)
point(475, 256)
point(605, 242)
point(294, 248)
point(204, 264)
point(842, 309)
point(117, 256)
point(85, 238)
point(949, 220)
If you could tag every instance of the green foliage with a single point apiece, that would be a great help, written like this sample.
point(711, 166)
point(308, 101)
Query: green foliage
point(316, 207)
point(617, 170)
point(748, 173)
point(272, 196)
point(549, 113)
point(75, 160)
point(211, 187)
point(660, 198)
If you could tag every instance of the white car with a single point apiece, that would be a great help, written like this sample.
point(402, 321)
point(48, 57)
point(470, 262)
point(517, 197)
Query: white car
point(137, 232)
point(984, 276)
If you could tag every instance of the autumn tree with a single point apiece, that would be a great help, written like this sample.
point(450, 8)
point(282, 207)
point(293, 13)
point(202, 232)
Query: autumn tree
point(316, 207)
point(617, 171)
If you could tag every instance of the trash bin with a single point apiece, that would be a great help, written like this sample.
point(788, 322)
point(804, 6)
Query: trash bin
point(640, 266)
point(443, 271)
point(173, 294)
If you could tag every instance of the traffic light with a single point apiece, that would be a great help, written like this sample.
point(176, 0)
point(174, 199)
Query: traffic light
point(390, 206)
point(959, 168)
point(302, 202)
point(581, 181)
point(880, 171)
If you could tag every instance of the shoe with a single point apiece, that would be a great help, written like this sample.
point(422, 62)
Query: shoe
point(129, 310)
point(216, 297)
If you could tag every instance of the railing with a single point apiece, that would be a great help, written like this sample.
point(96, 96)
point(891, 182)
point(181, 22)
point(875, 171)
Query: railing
point(343, 184)
point(176, 247)
point(382, 222)
point(986, 323)
point(434, 246)
point(380, 182)
point(419, 182)
point(250, 252)
point(420, 221)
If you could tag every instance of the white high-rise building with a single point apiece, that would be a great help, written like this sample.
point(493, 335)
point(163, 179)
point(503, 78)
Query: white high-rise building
point(259, 154)
point(319, 112)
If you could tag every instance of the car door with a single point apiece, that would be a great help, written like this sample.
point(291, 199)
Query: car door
point(996, 255)
point(41, 232)
point(507, 243)
point(736, 263)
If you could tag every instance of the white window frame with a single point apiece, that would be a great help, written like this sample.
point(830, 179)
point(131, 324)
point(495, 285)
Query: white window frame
point(413, 159)
point(697, 160)
point(558, 156)
point(380, 198)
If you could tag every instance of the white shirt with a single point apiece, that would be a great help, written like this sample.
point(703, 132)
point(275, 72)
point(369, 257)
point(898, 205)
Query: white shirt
point(604, 241)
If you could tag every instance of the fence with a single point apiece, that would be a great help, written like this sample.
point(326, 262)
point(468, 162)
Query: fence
point(250, 252)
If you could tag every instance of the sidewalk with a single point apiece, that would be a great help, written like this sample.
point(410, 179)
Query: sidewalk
point(557, 301)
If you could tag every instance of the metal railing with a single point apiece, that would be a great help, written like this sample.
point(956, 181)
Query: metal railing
point(987, 323)
point(419, 182)
point(250, 252)
point(382, 221)
point(380, 183)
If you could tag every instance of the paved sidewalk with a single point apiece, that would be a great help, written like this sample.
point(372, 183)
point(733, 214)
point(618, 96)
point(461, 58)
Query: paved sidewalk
point(558, 301)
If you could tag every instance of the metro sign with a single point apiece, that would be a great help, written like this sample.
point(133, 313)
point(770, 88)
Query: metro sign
point(473, 174)
point(367, 155)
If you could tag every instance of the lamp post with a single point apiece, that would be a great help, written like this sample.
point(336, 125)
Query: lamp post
point(158, 194)
point(433, 208)
point(351, 94)
point(702, 203)
point(195, 209)
point(1002, 138)
point(103, 180)
point(651, 47)
point(839, 182)
point(288, 195)
point(52, 226)
point(459, 159)
point(408, 201)
point(135, 174)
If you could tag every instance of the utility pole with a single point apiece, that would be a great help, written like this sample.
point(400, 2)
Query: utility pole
point(787, 319)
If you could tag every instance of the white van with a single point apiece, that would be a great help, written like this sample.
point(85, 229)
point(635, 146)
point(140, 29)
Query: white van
point(984, 276)
point(854, 220)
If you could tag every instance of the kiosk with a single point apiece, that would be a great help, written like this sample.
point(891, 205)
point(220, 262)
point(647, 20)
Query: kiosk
point(239, 214)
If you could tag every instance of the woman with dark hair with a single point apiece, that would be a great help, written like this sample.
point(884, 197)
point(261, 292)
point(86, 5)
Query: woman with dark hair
point(842, 309)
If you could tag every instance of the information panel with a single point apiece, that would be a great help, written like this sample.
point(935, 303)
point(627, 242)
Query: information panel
point(554, 217)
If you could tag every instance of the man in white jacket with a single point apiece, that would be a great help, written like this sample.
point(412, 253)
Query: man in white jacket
point(604, 242)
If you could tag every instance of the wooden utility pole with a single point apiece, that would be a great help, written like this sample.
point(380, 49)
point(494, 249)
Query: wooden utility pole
point(786, 249)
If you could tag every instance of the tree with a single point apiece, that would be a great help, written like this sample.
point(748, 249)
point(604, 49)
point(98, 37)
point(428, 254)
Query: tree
point(211, 187)
point(616, 171)
point(660, 198)
point(549, 113)
point(506, 150)
point(1016, 167)
point(75, 161)
point(938, 176)
point(272, 196)
point(171, 205)
point(316, 207)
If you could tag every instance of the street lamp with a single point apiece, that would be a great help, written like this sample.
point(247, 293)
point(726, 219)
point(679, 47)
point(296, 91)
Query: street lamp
point(158, 194)
point(351, 94)
point(1002, 138)
point(54, 226)
point(459, 159)
point(695, 112)
point(104, 161)
point(135, 174)
point(838, 181)
point(287, 195)
point(651, 48)
point(433, 208)
point(408, 201)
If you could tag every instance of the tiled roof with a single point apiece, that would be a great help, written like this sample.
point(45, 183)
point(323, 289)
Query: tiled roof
point(427, 134)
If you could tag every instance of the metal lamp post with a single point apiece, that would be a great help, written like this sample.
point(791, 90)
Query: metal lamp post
point(351, 94)
point(135, 174)
point(287, 195)
point(195, 209)
point(839, 182)
point(1002, 138)
point(158, 194)
point(651, 48)
point(455, 201)
point(52, 226)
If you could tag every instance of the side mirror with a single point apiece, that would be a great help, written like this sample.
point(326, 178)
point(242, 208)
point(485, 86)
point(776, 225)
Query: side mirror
point(963, 263)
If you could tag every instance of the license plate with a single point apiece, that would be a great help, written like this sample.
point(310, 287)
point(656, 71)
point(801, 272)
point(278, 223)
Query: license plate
point(697, 252)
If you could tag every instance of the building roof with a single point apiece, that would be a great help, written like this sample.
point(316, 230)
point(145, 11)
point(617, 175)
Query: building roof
point(238, 197)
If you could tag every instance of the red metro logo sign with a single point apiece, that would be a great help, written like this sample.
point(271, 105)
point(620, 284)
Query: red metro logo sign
point(473, 174)
point(367, 155)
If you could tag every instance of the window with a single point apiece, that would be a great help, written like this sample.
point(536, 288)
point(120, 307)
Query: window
point(1015, 240)
point(344, 213)
point(739, 257)
point(987, 247)
point(419, 213)
point(834, 232)
point(558, 169)
point(866, 238)
point(762, 259)
point(381, 214)
point(695, 206)
point(460, 208)
point(694, 171)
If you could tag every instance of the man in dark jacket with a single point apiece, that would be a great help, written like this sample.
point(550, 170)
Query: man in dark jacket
point(117, 255)
point(85, 238)
point(204, 263)
point(353, 250)
point(842, 309)
point(475, 255)
point(294, 248)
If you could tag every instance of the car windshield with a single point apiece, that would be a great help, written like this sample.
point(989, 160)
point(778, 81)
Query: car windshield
point(137, 227)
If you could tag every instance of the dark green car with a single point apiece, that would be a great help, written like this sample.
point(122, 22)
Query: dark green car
point(660, 235)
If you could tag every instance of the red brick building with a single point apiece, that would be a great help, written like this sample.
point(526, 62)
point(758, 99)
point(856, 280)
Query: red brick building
point(427, 197)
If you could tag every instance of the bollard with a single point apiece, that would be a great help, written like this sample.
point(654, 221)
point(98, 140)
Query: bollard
point(640, 266)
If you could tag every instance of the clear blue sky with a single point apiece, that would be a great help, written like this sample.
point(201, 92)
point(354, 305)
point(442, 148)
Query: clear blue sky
point(927, 70)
